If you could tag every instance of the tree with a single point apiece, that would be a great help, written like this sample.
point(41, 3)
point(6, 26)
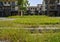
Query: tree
point(22, 5)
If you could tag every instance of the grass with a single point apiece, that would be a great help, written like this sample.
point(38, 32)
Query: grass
point(31, 21)
point(34, 21)
point(21, 35)
point(18, 35)
point(38, 20)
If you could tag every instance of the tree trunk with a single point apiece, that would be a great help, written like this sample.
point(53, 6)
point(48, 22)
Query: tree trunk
point(21, 13)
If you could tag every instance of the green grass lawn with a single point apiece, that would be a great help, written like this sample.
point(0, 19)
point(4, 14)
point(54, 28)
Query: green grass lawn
point(37, 20)
point(31, 21)
point(17, 35)
point(21, 35)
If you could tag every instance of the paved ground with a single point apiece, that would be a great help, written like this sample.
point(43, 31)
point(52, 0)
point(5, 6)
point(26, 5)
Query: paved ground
point(6, 19)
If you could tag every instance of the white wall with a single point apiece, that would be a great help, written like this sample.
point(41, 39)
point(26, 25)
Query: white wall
point(16, 8)
point(43, 6)
point(6, 4)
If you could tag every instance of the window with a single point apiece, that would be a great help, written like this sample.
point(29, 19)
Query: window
point(0, 7)
point(1, 3)
point(13, 3)
point(52, 7)
point(35, 9)
point(5, 2)
point(46, 1)
point(13, 7)
point(40, 8)
point(46, 7)
point(8, 2)
point(52, 1)
point(31, 8)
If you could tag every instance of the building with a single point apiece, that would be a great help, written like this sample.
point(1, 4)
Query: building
point(51, 7)
point(31, 10)
point(39, 8)
point(8, 7)
point(34, 9)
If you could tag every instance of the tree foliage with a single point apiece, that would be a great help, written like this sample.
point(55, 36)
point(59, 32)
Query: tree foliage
point(20, 2)
point(23, 4)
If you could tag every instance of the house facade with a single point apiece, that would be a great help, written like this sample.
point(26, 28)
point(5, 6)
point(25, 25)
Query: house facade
point(34, 9)
point(51, 7)
point(8, 7)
